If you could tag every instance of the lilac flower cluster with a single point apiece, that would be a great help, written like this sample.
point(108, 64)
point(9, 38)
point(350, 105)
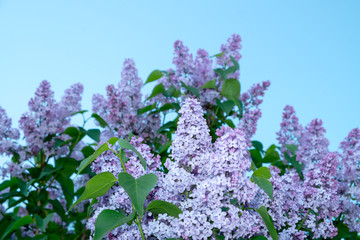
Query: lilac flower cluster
point(252, 113)
point(203, 179)
point(330, 178)
point(116, 197)
point(119, 108)
point(47, 118)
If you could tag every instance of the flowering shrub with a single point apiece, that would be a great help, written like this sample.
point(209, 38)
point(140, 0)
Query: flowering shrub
point(199, 175)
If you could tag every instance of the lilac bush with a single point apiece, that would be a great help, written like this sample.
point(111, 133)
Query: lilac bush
point(196, 175)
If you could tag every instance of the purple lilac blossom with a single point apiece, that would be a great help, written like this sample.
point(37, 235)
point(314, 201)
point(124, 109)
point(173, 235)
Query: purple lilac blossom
point(119, 108)
point(252, 113)
point(290, 129)
point(47, 118)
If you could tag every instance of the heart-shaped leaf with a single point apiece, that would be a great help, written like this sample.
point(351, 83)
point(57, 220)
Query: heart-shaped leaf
point(137, 189)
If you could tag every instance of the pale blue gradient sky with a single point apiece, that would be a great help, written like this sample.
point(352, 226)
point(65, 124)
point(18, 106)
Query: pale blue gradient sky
point(309, 50)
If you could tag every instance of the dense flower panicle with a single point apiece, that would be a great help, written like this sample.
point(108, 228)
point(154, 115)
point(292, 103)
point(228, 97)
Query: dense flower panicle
point(192, 135)
point(290, 131)
point(218, 174)
point(8, 135)
point(119, 108)
point(349, 175)
point(47, 118)
point(231, 48)
point(203, 69)
point(252, 113)
point(321, 195)
point(71, 101)
point(286, 207)
point(313, 145)
point(350, 157)
point(182, 59)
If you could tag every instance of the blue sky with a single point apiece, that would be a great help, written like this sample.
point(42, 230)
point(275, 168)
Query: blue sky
point(309, 50)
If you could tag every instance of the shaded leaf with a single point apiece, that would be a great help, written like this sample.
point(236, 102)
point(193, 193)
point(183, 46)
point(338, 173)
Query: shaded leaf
point(268, 223)
point(17, 224)
point(109, 220)
point(162, 207)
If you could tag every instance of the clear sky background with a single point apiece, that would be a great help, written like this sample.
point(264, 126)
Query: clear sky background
point(309, 50)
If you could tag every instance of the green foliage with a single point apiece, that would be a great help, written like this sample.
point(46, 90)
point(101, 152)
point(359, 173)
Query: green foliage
point(137, 189)
point(162, 207)
point(97, 186)
point(268, 222)
point(109, 220)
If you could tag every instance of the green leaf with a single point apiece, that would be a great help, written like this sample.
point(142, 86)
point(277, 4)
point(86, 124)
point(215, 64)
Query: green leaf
point(235, 63)
point(100, 120)
point(218, 55)
point(79, 112)
point(125, 144)
point(191, 89)
point(157, 90)
point(259, 238)
point(231, 89)
point(230, 123)
point(104, 147)
point(146, 109)
point(228, 106)
point(94, 134)
point(109, 220)
point(221, 73)
point(162, 207)
point(166, 107)
point(209, 84)
point(292, 148)
point(264, 184)
point(72, 132)
point(165, 147)
point(96, 187)
point(168, 125)
point(256, 157)
point(8, 183)
point(154, 75)
point(295, 164)
point(137, 189)
point(271, 157)
point(258, 145)
point(269, 224)
point(43, 222)
point(262, 172)
point(17, 224)
point(253, 167)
